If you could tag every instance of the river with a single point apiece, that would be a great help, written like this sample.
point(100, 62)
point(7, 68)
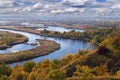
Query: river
point(67, 46)
point(59, 29)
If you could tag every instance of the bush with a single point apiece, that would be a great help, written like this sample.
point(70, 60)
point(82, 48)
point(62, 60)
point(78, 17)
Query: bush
point(94, 60)
point(20, 76)
point(28, 66)
point(4, 78)
point(5, 69)
point(85, 73)
point(56, 75)
point(34, 76)
point(102, 50)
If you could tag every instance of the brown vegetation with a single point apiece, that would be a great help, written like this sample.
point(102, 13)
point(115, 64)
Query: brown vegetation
point(46, 46)
point(102, 63)
point(9, 39)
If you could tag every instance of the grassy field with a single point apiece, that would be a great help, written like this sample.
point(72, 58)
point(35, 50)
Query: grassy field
point(8, 39)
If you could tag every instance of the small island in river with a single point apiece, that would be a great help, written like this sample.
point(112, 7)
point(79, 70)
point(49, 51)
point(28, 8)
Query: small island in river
point(8, 39)
point(46, 46)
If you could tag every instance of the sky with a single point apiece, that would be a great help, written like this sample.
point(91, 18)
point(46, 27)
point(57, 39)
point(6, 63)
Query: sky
point(60, 7)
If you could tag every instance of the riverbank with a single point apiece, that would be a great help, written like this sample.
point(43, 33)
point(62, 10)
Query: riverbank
point(46, 46)
point(8, 39)
point(66, 44)
point(91, 36)
point(66, 35)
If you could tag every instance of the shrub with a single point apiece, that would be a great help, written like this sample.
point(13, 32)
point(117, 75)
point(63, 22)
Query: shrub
point(102, 50)
point(56, 75)
point(5, 69)
point(28, 66)
point(34, 76)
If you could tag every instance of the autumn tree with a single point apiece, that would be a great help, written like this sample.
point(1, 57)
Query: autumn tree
point(54, 64)
point(4, 78)
point(56, 75)
point(5, 69)
point(84, 73)
point(28, 66)
point(34, 76)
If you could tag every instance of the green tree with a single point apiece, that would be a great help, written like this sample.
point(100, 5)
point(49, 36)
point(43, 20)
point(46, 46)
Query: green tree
point(113, 44)
point(34, 76)
point(85, 73)
point(5, 69)
point(28, 66)
point(4, 78)
point(21, 76)
point(96, 39)
point(56, 75)
point(54, 64)
point(18, 73)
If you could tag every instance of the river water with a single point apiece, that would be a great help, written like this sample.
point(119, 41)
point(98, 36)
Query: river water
point(59, 29)
point(67, 46)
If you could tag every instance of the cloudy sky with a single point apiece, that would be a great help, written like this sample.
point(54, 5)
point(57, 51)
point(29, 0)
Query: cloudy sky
point(60, 7)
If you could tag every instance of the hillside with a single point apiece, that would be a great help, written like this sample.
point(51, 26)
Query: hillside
point(102, 63)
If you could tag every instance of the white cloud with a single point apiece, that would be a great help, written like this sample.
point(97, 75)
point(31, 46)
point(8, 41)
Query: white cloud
point(116, 6)
point(37, 5)
point(75, 1)
point(47, 6)
point(82, 7)
point(66, 10)
point(6, 3)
